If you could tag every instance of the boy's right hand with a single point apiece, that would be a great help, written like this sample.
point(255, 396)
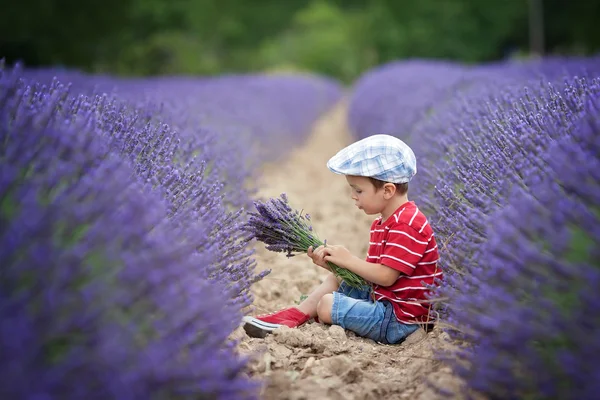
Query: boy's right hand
point(318, 257)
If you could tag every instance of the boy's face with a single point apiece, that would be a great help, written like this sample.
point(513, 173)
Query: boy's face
point(366, 197)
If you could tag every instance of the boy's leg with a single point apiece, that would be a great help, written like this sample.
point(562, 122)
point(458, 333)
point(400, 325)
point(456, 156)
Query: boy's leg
point(325, 306)
point(261, 325)
point(309, 305)
point(366, 318)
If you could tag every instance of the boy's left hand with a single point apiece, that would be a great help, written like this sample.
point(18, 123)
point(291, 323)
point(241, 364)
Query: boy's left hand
point(337, 254)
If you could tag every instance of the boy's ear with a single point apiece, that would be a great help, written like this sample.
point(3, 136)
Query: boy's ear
point(389, 190)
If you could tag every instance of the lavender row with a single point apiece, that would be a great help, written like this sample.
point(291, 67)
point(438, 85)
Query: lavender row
point(531, 303)
point(237, 122)
point(103, 296)
point(397, 97)
point(509, 178)
point(123, 267)
point(489, 138)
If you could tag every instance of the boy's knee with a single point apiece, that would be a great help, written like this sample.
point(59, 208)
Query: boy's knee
point(324, 308)
point(332, 278)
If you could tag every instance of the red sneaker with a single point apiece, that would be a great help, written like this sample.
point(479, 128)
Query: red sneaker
point(261, 325)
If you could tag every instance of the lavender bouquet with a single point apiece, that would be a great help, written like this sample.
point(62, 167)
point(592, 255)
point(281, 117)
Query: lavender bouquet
point(288, 231)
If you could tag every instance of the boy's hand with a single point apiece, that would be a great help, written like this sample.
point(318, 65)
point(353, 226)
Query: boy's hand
point(339, 255)
point(318, 257)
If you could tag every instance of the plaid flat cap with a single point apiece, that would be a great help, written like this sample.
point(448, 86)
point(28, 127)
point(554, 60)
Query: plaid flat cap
point(382, 157)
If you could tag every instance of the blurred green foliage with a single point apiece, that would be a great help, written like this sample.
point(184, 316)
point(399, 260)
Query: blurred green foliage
point(334, 37)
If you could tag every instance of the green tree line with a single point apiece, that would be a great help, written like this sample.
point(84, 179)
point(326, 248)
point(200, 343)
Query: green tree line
point(340, 38)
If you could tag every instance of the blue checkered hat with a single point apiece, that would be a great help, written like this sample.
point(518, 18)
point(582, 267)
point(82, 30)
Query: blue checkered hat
point(382, 157)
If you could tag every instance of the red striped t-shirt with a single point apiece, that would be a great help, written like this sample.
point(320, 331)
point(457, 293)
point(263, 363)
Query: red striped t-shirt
point(406, 242)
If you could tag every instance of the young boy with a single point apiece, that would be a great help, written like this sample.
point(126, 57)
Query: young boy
point(401, 259)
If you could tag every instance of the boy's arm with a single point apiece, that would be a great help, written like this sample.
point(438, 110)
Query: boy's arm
point(405, 246)
point(372, 272)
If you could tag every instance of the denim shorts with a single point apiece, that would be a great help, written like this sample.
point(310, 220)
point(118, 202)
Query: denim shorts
point(355, 310)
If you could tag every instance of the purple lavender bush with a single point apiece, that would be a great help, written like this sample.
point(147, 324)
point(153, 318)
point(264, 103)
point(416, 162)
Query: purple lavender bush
point(487, 140)
point(102, 294)
point(248, 120)
point(399, 86)
point(399, 96)
point(494, 180)
point(531, 305)
point(245, 119)
point(194, 197)
point(126, 270)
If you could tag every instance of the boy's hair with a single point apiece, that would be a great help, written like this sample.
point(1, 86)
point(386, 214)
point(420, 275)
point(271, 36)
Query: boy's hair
point(401, 188)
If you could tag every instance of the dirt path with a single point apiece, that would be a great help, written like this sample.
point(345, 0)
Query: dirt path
point(317, 361)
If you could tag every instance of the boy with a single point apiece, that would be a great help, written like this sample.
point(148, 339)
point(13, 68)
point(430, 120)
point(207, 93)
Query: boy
point(401, 259)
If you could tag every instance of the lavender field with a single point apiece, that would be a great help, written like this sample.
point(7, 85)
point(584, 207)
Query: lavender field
point(124, 274)
point(508, 159)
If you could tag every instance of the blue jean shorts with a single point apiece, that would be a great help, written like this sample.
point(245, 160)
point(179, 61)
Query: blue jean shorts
point(355, 310)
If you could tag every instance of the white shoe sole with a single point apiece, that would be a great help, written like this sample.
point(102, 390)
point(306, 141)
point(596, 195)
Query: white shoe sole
point(256, 328)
